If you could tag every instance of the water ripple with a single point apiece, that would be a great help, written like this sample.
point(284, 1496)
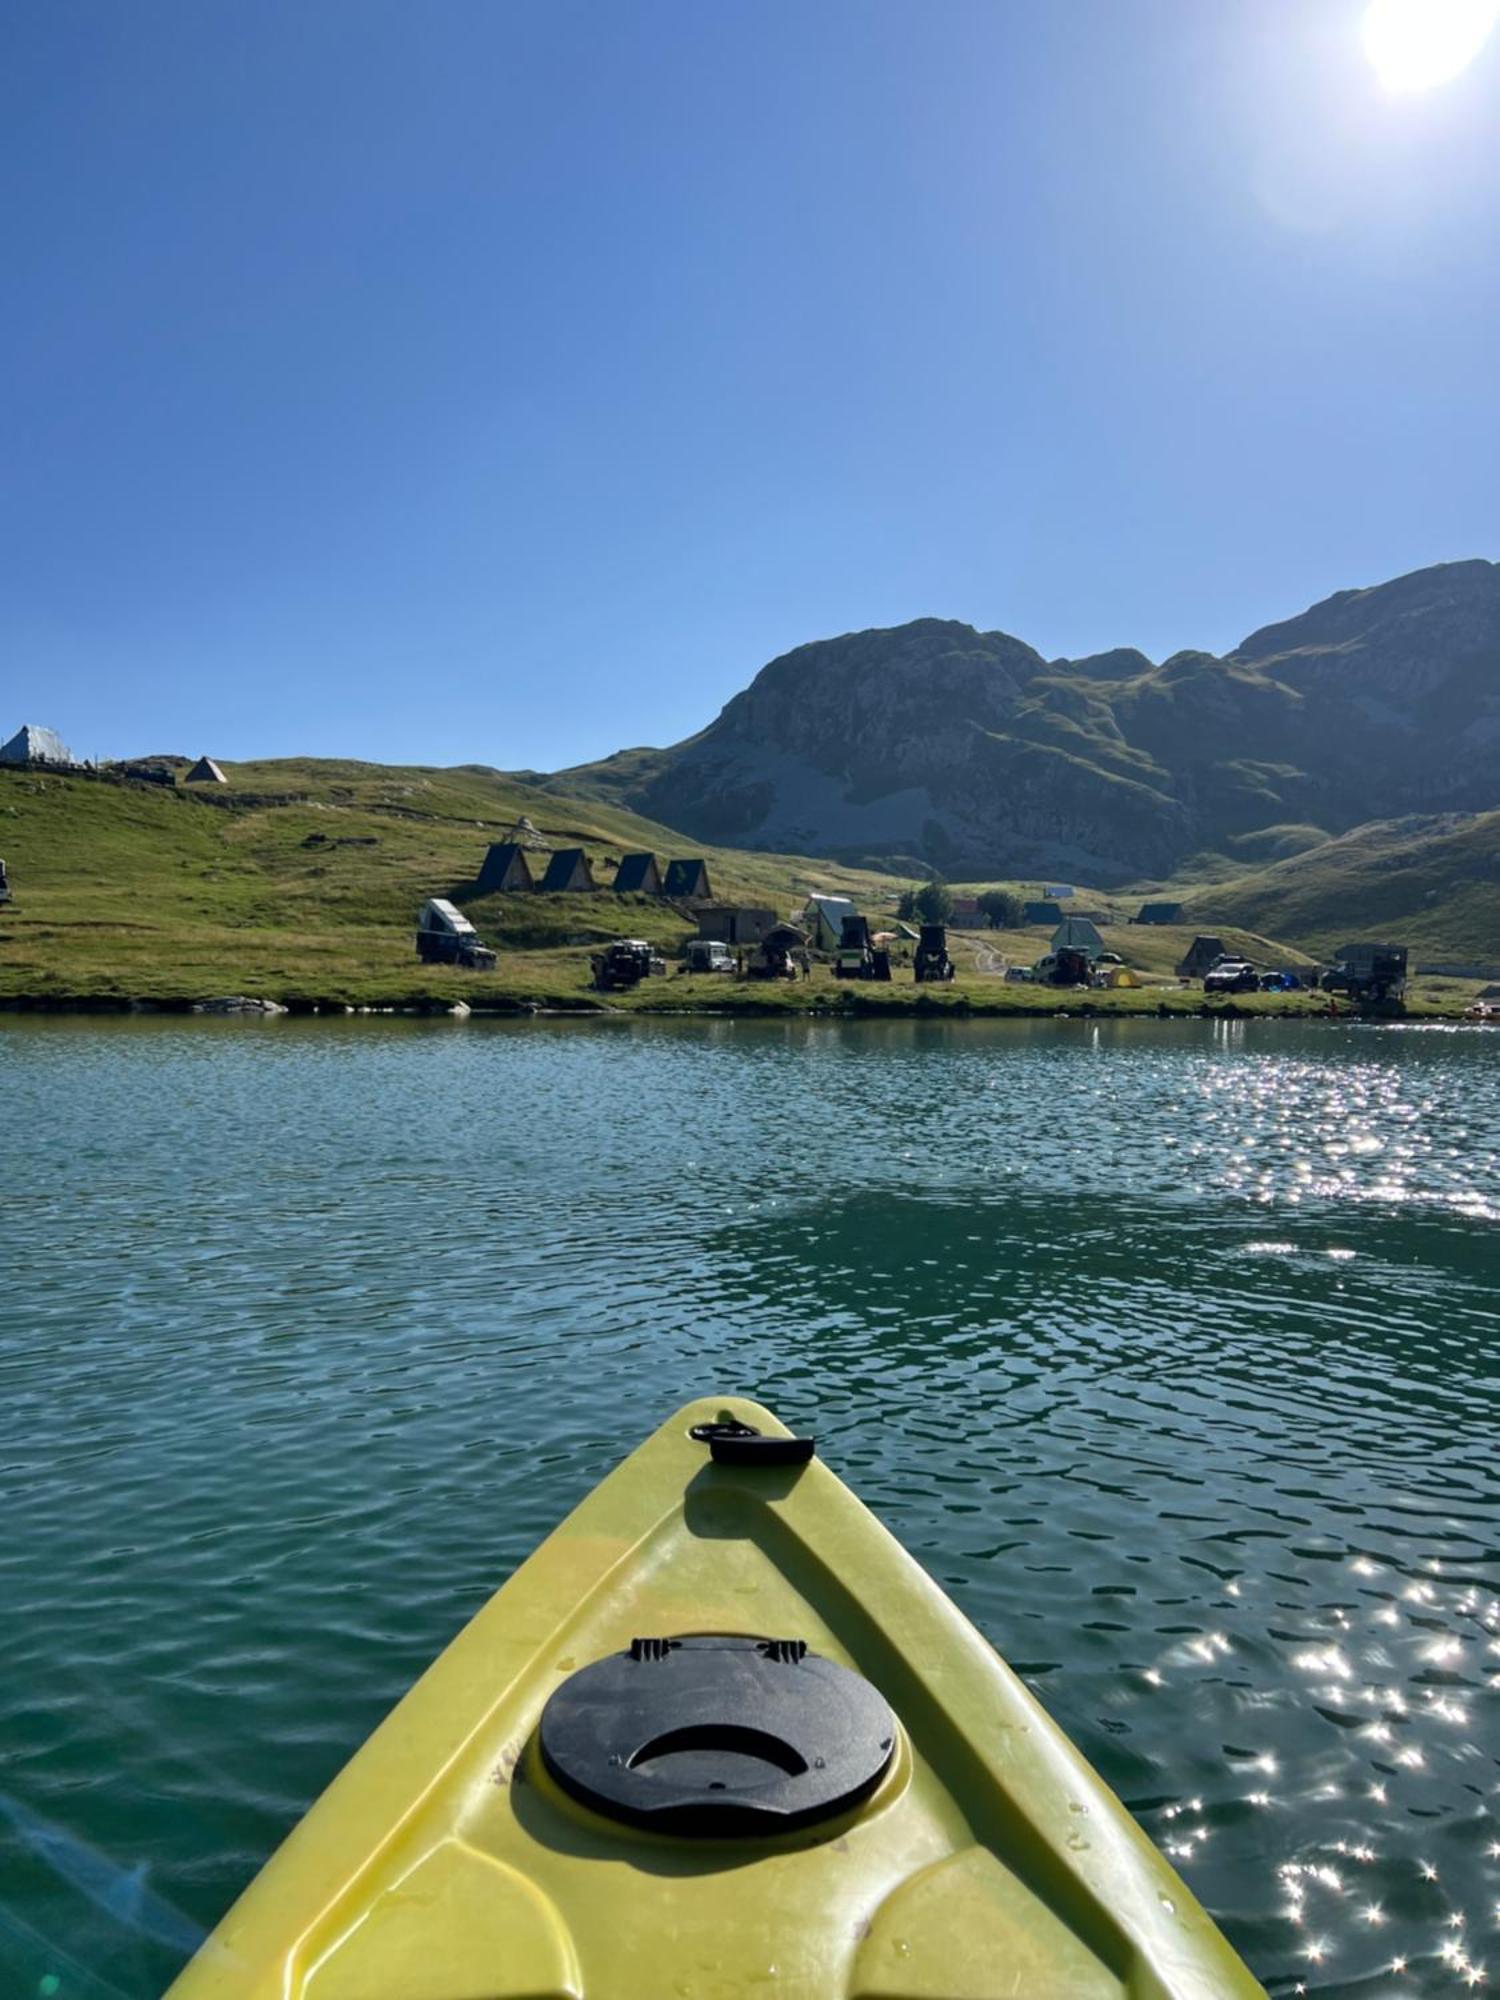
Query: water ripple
point(1168, 1348)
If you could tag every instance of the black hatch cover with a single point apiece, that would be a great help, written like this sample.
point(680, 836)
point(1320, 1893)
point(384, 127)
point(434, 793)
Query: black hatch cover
point(719, 1735)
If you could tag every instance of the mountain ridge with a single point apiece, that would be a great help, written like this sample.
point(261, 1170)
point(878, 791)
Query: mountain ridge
point(935, 744)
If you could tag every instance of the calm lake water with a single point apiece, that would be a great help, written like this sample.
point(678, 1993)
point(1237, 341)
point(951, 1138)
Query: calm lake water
point(1170, 1349)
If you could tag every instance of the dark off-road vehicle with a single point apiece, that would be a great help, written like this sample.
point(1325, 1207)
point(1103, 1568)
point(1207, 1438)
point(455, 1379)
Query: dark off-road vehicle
point(624, 964)
point(857, 957)
point(930, 961)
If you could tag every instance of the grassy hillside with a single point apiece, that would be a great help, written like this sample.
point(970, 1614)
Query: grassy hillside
point(301, 882)
point(305, 877)
point(1431, 883)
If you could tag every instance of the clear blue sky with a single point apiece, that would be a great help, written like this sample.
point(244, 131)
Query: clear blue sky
point(469, 380)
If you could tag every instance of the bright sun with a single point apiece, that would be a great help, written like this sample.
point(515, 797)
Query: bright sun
point(1415, 44)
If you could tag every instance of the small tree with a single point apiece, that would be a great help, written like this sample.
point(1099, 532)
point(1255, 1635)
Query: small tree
point(906, 908)
point(934, 901)
point(1005, 911)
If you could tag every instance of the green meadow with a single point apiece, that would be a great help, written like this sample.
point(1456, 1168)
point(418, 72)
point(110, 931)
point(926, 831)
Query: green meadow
point(301, 880)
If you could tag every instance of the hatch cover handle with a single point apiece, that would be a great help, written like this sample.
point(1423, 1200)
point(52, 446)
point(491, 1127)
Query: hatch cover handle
point(728, 1735)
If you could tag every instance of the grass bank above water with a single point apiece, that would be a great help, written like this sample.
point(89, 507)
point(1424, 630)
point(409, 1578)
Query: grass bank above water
point(525, 986)
point(299, 884)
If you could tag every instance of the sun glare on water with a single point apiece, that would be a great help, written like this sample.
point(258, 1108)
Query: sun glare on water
point(1416, 44)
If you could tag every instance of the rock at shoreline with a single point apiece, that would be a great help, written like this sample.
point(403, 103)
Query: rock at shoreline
point(236, 1003)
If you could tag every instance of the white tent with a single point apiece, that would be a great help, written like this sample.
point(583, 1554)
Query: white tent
point(31, 745)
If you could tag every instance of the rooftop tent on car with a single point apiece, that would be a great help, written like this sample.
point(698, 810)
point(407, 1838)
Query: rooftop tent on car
point(568, 873)
point(504, 868)
point(735, 924)
point(1363, 956)
point(778, 954)
point(438, 914)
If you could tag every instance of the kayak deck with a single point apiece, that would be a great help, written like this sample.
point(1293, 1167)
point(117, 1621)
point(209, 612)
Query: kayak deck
point(448, 1863)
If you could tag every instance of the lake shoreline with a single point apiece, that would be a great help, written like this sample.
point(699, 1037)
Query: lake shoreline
point(849, 1005)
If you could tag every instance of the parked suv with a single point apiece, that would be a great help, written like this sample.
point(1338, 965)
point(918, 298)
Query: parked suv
point(1231, 975)
point(708, 955)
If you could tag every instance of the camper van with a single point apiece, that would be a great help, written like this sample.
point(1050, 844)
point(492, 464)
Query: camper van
point(1371, 974)
point(446, 937)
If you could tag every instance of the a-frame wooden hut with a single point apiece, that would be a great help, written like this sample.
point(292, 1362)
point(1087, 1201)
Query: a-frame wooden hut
point(687, 881)
point(568, 873)
point(638, 875)
point(1201, 955)
point(505, 867)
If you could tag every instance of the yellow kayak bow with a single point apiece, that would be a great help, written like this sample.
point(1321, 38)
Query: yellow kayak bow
point(719, 1738)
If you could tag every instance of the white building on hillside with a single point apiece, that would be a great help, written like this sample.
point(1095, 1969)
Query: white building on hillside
point(823, 920)
point(31, 745)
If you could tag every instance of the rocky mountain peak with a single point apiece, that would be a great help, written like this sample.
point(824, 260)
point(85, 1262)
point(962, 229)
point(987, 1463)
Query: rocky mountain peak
point(935, 740)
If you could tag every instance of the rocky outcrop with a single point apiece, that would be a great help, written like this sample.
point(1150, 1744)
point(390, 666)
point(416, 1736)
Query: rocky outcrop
point(237, 1003)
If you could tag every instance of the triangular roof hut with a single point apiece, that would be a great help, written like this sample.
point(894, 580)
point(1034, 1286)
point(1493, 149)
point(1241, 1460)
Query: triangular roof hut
point(1158, 913)
point(1042, 913)
point(504, 867)
point(638, 875)
point(205, 772)
point(1201, 954)
point(567, 872)
point(688, 879)
point(824, 916)
point(31, 745)
point(1077, 934)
